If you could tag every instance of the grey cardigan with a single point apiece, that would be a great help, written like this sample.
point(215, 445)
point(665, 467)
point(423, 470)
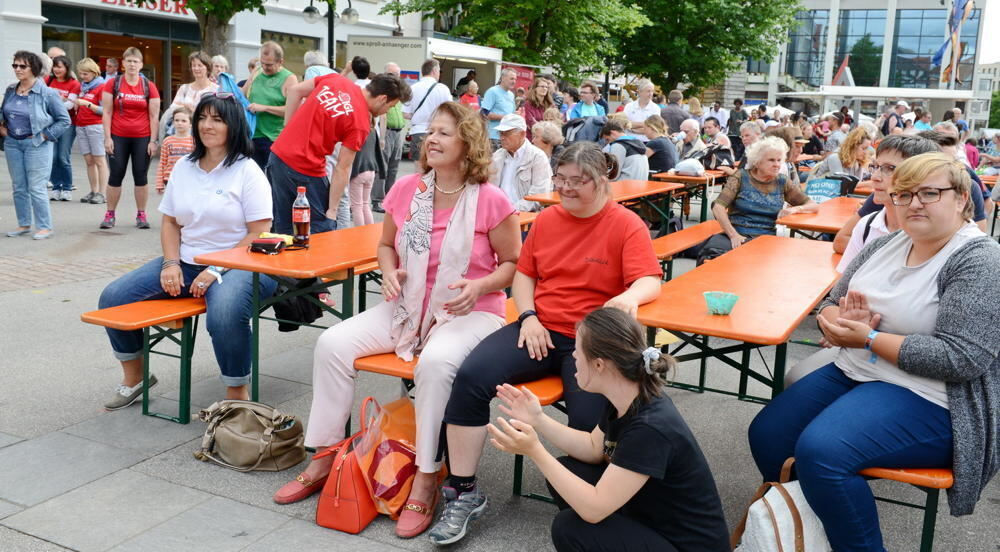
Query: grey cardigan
point(962, 352)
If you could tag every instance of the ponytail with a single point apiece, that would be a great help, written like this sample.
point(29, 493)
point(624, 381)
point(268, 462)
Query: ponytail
point(613, 335)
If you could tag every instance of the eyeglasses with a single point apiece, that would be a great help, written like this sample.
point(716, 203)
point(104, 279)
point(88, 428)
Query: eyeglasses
point(886, 168)
point(926, 195)
point(569, 183)
point(19, 65)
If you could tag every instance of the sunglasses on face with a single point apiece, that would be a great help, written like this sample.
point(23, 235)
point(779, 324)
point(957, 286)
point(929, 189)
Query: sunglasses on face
point(19, 65)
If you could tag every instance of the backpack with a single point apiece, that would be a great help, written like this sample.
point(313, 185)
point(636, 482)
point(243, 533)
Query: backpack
point(892, 121)
point(117, 87)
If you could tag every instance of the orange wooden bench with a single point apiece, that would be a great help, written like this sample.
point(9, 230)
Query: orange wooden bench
point(668, 246)
point(931, 481)
point(549, 389)
point(159, 320)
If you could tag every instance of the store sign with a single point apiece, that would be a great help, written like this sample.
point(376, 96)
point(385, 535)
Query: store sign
point(163, 6)
point(525, 75)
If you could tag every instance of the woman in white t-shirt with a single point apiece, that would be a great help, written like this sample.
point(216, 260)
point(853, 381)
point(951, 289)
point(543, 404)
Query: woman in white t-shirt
point(916, 383)
point(217, 199)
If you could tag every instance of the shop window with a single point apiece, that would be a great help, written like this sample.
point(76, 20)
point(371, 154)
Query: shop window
point(63, 15)
point(294, 46)
point(70, 40)
point(127, 24)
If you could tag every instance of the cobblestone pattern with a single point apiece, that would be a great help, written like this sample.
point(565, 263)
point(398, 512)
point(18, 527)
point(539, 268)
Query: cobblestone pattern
point(26, 273)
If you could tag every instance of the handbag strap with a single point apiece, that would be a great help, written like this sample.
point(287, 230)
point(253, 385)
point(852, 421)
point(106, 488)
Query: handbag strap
point(786, 470)
point(799, 535)
point(216, 413)
point(774, 525)
point(734, 539)
point(783, 477)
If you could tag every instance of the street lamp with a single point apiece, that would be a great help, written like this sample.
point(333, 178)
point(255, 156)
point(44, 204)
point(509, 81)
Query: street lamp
point(349, 15)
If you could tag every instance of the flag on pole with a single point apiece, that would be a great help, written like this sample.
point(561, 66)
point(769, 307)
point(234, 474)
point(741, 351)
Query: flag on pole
point(960, 11)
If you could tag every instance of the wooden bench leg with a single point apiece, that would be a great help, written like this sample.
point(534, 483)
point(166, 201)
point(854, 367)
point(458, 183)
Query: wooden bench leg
point(188, 330)
point(930, 520)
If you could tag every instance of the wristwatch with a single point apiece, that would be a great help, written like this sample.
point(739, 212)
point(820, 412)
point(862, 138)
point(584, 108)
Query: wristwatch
point(524, 315)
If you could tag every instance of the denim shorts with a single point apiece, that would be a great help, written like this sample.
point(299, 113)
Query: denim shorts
point(91, 139)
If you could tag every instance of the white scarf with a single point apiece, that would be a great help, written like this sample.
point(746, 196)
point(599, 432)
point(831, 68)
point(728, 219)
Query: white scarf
point(411, 327)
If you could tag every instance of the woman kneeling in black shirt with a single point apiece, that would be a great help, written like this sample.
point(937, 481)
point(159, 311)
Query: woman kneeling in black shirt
point(638, 481)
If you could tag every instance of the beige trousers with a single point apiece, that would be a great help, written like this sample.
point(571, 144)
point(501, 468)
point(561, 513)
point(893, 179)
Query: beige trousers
point(368, 334)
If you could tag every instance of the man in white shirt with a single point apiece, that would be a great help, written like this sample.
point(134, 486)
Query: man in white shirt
point(641, 109)
point(428, 94)
point(519, 168)
point(720, 114)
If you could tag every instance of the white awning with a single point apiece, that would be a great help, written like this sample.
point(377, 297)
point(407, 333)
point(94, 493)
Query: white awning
point(463, 51)
point(880, 92)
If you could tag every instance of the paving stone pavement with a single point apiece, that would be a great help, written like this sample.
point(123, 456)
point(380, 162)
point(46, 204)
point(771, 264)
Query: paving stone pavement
point(73, 477)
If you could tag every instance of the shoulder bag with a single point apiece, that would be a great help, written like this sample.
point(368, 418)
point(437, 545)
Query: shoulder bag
point(246, 436)
point(780, 520)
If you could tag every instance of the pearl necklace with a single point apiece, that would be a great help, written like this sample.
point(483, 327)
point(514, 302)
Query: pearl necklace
point(446, 192)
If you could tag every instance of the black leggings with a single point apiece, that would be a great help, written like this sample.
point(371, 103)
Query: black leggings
point(617, 532)
point(125, 148)
point(497, 360)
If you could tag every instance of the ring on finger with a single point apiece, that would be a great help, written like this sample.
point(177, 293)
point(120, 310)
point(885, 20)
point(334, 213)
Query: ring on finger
point(201, 284)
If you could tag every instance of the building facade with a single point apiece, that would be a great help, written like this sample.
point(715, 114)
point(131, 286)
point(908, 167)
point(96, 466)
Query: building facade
point(886, 44)
point(167, 32)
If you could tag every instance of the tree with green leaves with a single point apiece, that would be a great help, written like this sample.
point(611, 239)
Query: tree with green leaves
point(995, 111)
point(213, 19)
point(571, 35)
point(700, 42)
point(866, 61)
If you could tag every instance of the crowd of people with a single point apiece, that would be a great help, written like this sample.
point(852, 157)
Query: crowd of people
point(903, 328)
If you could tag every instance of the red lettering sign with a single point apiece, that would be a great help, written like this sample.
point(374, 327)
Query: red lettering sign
point(165, 6)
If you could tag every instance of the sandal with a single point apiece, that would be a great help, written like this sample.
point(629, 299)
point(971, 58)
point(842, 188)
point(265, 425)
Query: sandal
point(299, 489)
point(416, 517)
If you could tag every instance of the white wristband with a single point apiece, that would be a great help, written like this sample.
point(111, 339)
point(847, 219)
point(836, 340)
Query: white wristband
point(213, 272)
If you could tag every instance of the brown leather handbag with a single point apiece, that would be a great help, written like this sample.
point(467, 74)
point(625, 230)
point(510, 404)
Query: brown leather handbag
point(246, 436)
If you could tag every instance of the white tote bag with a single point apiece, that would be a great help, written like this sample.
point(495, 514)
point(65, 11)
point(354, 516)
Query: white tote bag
point(780, 520)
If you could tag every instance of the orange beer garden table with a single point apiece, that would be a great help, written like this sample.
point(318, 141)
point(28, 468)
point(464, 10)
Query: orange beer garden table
point(790, 277)
point(330, 260)
point(830, 218)
point(624, 191)
point(698, 185)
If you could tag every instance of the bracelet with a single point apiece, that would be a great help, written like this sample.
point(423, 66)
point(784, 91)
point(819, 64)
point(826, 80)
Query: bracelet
point(169, 262)
point(525, 315)
point(212, 270)
point(869, 341)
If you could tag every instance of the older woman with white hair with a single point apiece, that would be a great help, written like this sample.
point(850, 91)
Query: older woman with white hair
point(219, 65)
point(753, 199)
point(642, 108)
point(547, 136)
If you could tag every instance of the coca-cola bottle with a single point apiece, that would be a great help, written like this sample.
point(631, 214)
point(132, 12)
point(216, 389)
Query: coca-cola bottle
point(300, 218)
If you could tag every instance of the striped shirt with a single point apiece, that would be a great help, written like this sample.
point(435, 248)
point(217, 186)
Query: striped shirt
point(173, 148)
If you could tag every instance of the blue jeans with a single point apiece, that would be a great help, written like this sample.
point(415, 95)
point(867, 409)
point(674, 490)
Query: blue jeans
point(835, 427)
point(61, 175)
point(230, 306)
point(284, 181)
point(29, 168)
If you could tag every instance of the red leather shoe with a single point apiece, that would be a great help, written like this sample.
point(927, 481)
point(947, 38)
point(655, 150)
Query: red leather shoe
point(416, 517)
point(299, 489)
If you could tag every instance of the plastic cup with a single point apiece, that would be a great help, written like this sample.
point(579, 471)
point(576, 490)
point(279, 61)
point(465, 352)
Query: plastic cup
point(720, 302)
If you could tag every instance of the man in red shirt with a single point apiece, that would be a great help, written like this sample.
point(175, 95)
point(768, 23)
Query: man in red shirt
point(334, 110)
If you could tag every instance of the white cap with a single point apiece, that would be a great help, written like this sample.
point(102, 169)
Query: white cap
point(512, 121)
point(771, 123)
point(902, 103)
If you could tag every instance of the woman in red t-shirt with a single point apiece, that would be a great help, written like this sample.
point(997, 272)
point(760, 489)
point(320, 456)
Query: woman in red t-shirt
point(90, 129)
point(61, 175)
point(131, 119)
point(471, 97)
point(580, 255)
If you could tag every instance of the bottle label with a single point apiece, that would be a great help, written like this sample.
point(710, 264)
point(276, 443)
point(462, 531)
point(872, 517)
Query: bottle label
point(300, 215)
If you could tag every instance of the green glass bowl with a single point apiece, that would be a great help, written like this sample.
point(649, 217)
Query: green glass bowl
point(720, 302)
